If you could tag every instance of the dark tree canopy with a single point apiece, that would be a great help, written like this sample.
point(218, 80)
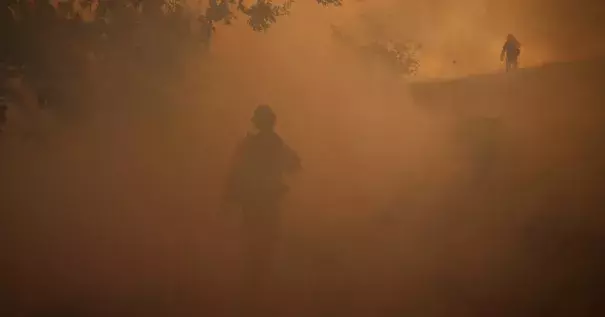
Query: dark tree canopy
point(264, 13)
point(24, 18)
point(53, 42)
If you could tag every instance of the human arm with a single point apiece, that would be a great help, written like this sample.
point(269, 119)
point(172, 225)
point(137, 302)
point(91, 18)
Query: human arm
point(292, 160)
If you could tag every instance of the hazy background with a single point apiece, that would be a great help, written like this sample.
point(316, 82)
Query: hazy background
point(119, 214)
point(472, 32)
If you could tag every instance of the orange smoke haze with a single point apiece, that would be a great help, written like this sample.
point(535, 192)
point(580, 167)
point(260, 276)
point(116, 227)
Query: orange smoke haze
point(120, 214)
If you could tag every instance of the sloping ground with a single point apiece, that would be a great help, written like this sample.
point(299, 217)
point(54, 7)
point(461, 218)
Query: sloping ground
point(539, 134)
point(553, 114)
point(558, 82)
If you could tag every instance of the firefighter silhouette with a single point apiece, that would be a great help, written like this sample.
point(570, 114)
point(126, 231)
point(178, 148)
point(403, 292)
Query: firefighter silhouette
point(511, 50)
point(257, 186)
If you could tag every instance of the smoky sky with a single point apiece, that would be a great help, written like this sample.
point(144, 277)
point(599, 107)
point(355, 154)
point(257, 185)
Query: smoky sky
point(570, 28)
point(460, 38)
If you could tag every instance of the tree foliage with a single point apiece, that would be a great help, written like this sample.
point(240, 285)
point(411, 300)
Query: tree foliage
point(24, 20)
point(401, 57)
point(54, 40)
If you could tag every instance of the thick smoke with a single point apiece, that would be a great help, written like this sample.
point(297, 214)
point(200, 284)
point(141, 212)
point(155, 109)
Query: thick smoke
point(120, 213)
point(465, 37)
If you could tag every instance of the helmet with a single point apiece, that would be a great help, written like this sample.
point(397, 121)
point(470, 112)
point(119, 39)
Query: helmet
point(264, 118)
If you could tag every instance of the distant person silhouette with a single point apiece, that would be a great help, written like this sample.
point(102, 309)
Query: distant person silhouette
point(511, 51)
point(257, 186)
